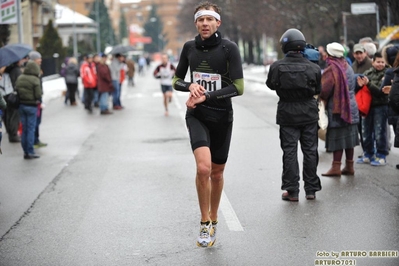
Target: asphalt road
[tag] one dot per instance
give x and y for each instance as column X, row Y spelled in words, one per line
column 119, row 190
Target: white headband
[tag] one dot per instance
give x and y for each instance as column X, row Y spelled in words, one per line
column 206, row 13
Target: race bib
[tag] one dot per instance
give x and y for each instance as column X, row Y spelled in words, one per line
column 211, row 82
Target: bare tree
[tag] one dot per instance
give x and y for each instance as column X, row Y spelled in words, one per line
column 321, row 21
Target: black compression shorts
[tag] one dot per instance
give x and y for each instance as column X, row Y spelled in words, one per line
column 211, row 129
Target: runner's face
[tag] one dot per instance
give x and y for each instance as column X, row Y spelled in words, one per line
column 164, row 59
column 207, row 25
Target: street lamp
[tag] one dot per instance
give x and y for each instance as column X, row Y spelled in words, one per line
column 75, row 42
column 344, row 14
column 98, row 26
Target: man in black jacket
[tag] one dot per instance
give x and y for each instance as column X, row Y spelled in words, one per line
column 296, row 80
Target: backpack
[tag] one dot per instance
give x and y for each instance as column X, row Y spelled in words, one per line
column 295, row 76
column 13, row 99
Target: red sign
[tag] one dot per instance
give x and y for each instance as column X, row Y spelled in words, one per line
column 139, row 39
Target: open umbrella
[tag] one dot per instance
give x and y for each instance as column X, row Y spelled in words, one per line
column 121, row 49
column 12, row 53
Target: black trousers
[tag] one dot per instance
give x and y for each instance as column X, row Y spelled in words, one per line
column 89, row 96
column 11, row 121
column 72, row 88
column 306, row 135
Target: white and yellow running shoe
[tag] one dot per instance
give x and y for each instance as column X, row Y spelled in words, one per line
column 204, row 239
column 213, row 232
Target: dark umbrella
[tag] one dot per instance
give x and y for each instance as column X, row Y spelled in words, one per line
column 12, row 53
column 121, row 49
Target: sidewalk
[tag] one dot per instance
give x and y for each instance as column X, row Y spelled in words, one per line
column 256, row 73
column 53, row 86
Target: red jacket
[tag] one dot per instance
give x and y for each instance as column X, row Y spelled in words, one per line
column 89, row 75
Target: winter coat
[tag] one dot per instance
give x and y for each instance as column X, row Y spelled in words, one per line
column 297, row 105
column 334, row 120
column 71, row 73
column 130, row 68
column 115, row 69
column 363, row 66
column 375, row 80
column 64, row 67
column 394, row 93
column 104, row 78
column 387, row 81
column 89, row 75
column 29, row 86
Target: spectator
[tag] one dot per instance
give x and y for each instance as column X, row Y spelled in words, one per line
column 62, row 74
column 37, row 58
column 338, row 92
column 391, row 57
column 130, row 72
column 370, row 48
column 71, row 78
column 89, row 79
column 3, row 106
column 142, row 63
column 105, row 86
column 30, row 94
column 374, row 125
column 96, row 95
column 11, row 113
column 115, row 68
column 394, row 99
column 362, row 61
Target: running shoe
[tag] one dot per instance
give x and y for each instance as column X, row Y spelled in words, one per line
column 204, row 239
column 213, row 232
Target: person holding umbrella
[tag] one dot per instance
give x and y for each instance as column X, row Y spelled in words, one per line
column 13, row 57
column 3, row 105
column 11, row 114
column 116, row 67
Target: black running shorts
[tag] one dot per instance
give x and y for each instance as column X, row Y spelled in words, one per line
column 210, row 128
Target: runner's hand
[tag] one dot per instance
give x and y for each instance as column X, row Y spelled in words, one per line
column 193, row 101
column 196, row 90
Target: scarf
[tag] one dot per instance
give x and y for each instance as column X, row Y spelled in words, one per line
column 212, row 41
column 341, row 99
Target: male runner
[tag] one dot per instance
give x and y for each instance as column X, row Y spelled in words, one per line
column 164, row 72
column 216, row 76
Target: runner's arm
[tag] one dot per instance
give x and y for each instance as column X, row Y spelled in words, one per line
column 236, row 88
column 178, row 82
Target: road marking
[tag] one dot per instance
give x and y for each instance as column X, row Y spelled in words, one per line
column 225, row 206
column 229, row 214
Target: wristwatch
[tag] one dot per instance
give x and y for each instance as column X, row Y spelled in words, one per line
column 207, row 96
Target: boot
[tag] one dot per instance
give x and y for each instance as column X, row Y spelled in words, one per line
column 348, row 169
column 335, row 169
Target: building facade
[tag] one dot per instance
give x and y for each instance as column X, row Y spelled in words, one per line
column 85, row 6
column 35, row 15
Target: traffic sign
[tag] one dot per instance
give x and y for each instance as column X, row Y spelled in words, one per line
column 364, row 8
